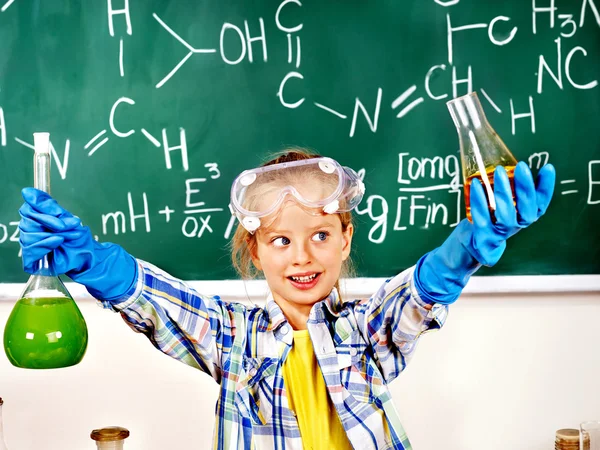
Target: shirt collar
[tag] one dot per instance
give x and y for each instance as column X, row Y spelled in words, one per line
column 332, row 302
column 276, row 317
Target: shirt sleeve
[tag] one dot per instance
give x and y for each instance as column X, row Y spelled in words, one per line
column 393, row 319
column 194, row 329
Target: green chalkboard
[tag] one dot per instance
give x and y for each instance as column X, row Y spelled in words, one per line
column 154, row 106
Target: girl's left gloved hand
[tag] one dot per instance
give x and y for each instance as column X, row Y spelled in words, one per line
column 441, row 274
column 105, row 269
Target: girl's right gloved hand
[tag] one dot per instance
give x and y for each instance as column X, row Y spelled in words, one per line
column 441, row 274
column 106, row 270
column 487, row 239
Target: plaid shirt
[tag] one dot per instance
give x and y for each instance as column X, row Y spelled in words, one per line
column 360, row 346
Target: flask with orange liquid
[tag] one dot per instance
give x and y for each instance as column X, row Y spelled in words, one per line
column 481, row 149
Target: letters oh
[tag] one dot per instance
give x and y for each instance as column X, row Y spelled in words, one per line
column 245, row 40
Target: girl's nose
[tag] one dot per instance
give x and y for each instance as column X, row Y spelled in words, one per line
column 301, row 253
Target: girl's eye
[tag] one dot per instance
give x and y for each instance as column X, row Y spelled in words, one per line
column 321, row 236
column 280, row 241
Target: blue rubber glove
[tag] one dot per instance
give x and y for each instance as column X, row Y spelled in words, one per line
column 106, row 270
column 441, row 274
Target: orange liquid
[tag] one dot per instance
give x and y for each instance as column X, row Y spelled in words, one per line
column 489, row 173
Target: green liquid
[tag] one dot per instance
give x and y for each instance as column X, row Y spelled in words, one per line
column 45, row 333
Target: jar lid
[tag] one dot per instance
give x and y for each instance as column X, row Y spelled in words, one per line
column 568, row 434
column 570, row 437
column 110, row 434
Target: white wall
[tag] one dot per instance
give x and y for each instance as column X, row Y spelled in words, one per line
column 506, row 371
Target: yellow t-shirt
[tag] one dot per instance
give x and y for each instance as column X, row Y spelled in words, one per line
column 319, row 424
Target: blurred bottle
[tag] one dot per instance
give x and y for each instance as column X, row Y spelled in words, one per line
column 2, row 442
column 568, row 439
column 110, row 438
column 481, row 149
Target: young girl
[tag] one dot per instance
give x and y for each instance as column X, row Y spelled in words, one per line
column 307, row 370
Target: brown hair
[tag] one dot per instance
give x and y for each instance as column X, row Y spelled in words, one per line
column 243, row 243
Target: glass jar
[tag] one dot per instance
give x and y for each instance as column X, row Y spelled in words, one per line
column 568, row 439
column 2, row 442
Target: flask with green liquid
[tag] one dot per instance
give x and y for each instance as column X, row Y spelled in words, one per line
column 45, row 329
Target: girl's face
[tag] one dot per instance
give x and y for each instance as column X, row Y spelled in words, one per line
column 301, row 255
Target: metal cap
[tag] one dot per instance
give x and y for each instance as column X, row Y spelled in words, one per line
column 568, row 434
column 110, row 434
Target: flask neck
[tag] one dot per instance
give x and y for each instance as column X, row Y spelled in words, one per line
column 480, row 146
column 42, row 160
column 45, row 267
column 468, row 115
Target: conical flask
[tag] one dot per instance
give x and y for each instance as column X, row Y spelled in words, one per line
column 481, row 149
column 45, row 329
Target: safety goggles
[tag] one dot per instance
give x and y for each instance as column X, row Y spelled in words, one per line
column 319, row 185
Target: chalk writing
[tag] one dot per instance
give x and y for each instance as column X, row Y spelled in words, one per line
column 425, row 190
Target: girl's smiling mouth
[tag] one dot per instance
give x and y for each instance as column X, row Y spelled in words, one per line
column 305, row 281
